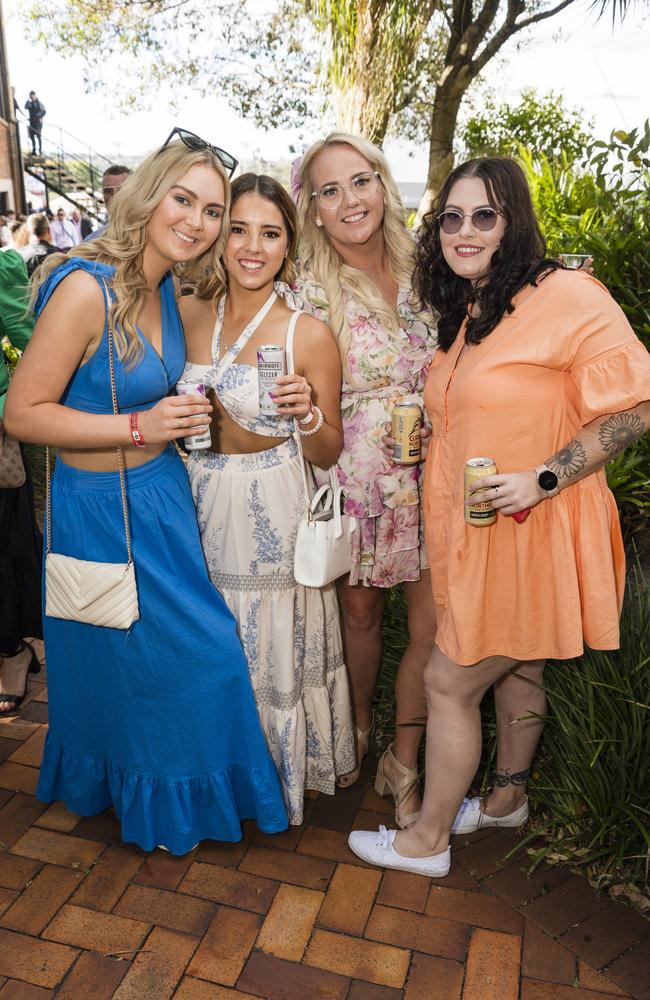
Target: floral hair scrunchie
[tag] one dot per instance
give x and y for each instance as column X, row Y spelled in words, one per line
column 295, row 180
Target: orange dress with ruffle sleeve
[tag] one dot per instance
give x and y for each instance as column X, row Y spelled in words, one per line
column 565, row 356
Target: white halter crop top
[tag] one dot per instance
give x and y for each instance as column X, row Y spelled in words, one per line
column 235, row 385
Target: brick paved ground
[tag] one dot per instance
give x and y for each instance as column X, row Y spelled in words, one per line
column 290, row 917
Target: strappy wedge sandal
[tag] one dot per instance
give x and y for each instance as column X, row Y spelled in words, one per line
column 400, row 781
column 362, row 739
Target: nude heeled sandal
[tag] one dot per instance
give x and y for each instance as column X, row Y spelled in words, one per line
column 400, row 784
column 362, row 739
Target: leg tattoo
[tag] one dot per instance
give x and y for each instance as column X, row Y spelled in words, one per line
column 505, row 777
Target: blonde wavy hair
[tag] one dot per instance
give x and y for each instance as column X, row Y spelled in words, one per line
column 322, row 263
column 123, row 243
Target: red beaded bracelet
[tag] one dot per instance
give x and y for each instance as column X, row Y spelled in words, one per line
column 134, row 428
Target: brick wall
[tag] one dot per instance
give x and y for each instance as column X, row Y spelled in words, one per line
column 6, row 168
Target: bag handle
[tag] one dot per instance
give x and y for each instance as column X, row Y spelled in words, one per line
column 120, row 451
column 334, row 482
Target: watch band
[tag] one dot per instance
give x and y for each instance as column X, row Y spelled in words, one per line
column 547, row 481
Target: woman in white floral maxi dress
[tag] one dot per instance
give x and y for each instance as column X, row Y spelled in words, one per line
column 249, row 493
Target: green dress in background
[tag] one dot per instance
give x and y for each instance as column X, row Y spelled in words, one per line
column 20, row 538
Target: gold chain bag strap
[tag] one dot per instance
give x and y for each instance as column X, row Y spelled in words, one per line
column 95, row 593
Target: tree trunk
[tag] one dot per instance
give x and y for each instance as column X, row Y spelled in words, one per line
column 444, row 116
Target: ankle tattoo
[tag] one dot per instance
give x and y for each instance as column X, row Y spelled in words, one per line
column 506, row 777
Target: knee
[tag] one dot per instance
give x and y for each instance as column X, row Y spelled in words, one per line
column 436, row 686
column 362, row 614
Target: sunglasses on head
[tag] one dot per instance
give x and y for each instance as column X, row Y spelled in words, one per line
column 483, row 219
column 195, row 142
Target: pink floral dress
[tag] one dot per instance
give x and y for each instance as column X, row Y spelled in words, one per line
column 383, row 496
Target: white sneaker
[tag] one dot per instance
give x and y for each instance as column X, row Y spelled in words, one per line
column 377, row 848
column 470, row 817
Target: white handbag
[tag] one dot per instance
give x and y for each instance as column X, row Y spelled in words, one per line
column 95, row 593
column 325, row 534
column 324, row 540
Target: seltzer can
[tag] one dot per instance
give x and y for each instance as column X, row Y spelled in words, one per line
column 482, row 513
column 406, row 421
column 190, row 387
column 270, row 365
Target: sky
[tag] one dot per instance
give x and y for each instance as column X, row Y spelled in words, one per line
column 597, row 67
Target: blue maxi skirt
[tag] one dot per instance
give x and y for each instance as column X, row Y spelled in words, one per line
column 159, row 720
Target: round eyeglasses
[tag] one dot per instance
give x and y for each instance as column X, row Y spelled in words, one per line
column 483, row 219
column 330, row 196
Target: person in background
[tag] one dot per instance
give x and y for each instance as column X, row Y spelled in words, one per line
column 356, row 264
column 64, row 234
column 120, row 700
column 5, row 232
column 34, row 253
column 539, row 370
column 19, row 236
column 36, row 113
column 75, row 219
column 20, row 538
column 249, row 490
column 112, row 180
column 85, row 225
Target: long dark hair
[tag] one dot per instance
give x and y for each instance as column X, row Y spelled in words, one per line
column 520, row 259
column 272, row 190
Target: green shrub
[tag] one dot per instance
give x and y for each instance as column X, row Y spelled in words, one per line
column 591, row 778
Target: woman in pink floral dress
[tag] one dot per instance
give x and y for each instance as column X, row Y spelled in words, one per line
column 356, row 266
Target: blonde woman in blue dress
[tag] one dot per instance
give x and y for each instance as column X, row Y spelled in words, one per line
column 249, row 493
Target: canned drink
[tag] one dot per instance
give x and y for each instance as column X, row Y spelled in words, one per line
column 189, row 387
column 406, row 421
column 482, row 513
column 270, row 365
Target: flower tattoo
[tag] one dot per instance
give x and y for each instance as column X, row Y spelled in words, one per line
column 619, row 431
column 569, row 461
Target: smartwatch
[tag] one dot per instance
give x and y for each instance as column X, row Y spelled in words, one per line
column 547, row 481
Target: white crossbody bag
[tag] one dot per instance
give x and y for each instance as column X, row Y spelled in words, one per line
column 324, row 539
column 95, row 593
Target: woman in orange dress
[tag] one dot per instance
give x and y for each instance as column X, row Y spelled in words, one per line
column 539, row 370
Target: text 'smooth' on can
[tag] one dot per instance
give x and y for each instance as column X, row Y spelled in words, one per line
column 270, row 365
column 406, row 422
column 482, row 513
column 189, row 387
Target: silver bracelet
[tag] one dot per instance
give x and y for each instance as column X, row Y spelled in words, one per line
column 317, row 426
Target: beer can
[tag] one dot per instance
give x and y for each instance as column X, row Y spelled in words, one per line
column 270, row 365
column 406, row 421
column 192, row 387
column 482, row 513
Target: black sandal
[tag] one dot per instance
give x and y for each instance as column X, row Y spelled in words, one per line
column 17, row 699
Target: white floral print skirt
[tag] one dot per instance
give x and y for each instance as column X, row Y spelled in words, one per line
column 248, row 508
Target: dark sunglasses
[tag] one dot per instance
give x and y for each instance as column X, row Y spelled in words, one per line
column 483, row 219
column 195, row 142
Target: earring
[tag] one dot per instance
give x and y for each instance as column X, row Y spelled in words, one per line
column 319, row 223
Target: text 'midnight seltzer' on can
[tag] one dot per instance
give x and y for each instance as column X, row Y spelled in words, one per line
column 482, row 513
column 270, row 365
column 406, row 421
column 189, row 387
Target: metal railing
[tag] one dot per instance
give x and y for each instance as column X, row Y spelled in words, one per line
column 65, row 165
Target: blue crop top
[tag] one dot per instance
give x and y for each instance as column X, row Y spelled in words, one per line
column 138, row 388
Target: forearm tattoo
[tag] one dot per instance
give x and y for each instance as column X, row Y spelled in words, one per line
column 503, row 778
column 619, row 431
column 569, row 461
